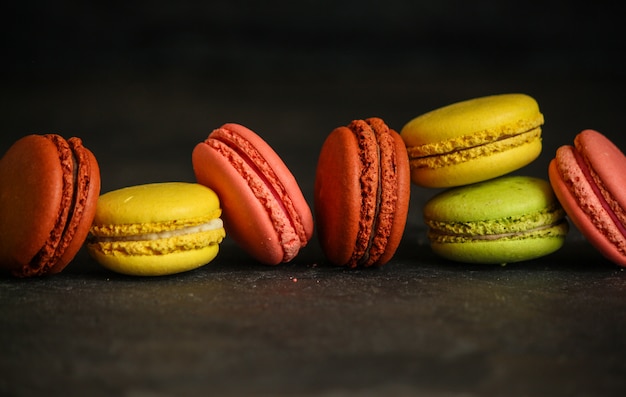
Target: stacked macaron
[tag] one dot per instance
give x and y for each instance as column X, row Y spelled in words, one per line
column 485, row 215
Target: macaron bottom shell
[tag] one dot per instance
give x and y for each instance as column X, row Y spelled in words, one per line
column 493, row 161
column 156, row 265
column 504, row 250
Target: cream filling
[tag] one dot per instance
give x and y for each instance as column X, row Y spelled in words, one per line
column 426, row 157
column 213, row 224
column 379, row 191
column 443, row 237
column 505, row 235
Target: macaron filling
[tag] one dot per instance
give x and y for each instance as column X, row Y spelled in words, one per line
column 365, row 254
column 376, row 148
column 213, row 224
column 266, row 186
column 469, row 147
column 63, row 230
column 549, row 221
column 162, row 242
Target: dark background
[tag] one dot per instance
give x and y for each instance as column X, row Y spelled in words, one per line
column 143, row 82
column 152, row 79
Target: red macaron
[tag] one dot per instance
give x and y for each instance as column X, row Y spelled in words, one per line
column 362, row 190
column 263, row 208
column 49, row 188
column 589, row 179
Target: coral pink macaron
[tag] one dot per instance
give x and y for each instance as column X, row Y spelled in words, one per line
column 49, row 188
column 362, row 189
column 264, row 210
column 589, row 181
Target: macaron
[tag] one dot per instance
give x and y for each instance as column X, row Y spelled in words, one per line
column 473, row 140
column 156, row 229
column 589, row 180
column 48, row 192
column 361, row 193
column 265, row 211
column 503, row 220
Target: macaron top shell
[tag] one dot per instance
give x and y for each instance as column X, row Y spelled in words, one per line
column 338, row 195
column 31, row 196
column 500, row 198
column 589, row 180
column 48, row 191
column 264, row 210
column 484, row 119
column 157, row 203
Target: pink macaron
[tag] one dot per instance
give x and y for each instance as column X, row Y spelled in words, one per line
column 589, row 180
column 264, row 210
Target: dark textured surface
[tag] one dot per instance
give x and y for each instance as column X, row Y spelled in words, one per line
column 143, row 83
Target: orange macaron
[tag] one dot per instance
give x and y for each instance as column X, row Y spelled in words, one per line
column 362, row 190
column 49, row 187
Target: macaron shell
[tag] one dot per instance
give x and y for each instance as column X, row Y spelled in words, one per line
column 488, row 166
column 338, row 195
column 503, row 114
column 254, row 211
column 31, row 193
column 155, row 203
column 505, row 250
column 157, row 265
column 495, row 199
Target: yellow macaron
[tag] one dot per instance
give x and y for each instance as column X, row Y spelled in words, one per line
column 156, row 229
column 473, row 140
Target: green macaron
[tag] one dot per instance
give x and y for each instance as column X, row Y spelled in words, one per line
column 503, row 220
